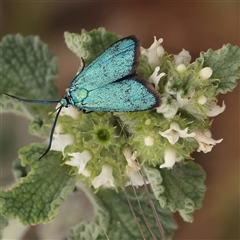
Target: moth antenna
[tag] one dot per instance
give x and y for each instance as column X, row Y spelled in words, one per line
column 53, row 112
column 55, row 120
column 52, row 131
column 31, row 101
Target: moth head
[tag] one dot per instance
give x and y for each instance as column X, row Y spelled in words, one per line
column 65, row 102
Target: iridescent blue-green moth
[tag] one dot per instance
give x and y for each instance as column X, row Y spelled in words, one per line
column 108, row 84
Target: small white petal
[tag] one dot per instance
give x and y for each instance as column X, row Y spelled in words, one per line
column 182, row 58
column 79, row 160
column 202, row 99
column 132, row 165
column 154, row 52
column 181, row 68
column 70, row 111
column 215, row 109
column 172, row 136
column 169, row 157
column 205, row 73
column 135, row 180
column 160, row 49
column 205, row 141
column 104, row 178
column 155, row 78
column 149, row 141
column 174, row 133
column 60, row 141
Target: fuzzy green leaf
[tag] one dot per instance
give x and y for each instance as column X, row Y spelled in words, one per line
column 121, row 221
column 38, row 197
column 89, row 45
column 225, row 64
column 28, row 70
column 179, row 189
column 91, row 230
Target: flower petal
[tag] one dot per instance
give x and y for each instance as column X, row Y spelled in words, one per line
column 60, row 141
column 136, row 180
column 132, row 165
column 104, row 178
column 79, row 160
column 154, row 52
column 174, row 133
column 183, row 57
column 155, row 78
column 205, row 141
column 205, row 73
column 181, row 68
column 169, row 157
column 215, row 109
column 149, row 141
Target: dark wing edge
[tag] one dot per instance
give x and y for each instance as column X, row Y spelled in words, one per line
column 136, row 54
column 150, row 88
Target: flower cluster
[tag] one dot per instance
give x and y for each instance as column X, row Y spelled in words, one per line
column 182, row 122
column 108, row 149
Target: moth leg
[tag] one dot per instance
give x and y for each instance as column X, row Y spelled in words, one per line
column 86, row 112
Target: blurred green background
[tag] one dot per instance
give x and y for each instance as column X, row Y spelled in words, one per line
column 194, row 26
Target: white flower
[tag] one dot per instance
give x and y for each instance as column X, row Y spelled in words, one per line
column 79, row 160
column 174, row 133
column 170, row 158
column 205, row 141
column 149, row 141
column 182, row 58
column 132, row 168
column 60, row 141
column 181, row 68
column 132, row 165
column 155, row 78
column 136, row 179
column 104, row 178
column 154, row 52
column 202, row 100
column 215, row 109
column 205, row 73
